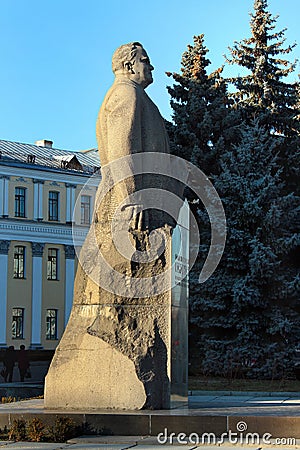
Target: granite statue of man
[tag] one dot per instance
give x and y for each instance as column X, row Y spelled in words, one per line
column 116, row 349
column 129, row 122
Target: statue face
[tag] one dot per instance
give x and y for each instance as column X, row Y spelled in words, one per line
column 141, row 68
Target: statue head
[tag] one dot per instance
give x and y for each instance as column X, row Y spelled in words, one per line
column 131, row 60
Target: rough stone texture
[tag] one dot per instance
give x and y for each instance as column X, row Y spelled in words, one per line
column 116, row 349
column 115, row 352
column 85, row 368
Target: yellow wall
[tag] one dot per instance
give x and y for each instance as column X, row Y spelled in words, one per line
column 58, row 187
column 83, row 190
column 76, row 216
column 19, row 294
column 28, row 185
column 19, row 291
column 53, row 295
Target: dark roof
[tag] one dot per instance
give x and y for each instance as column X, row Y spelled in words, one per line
column 16, row 153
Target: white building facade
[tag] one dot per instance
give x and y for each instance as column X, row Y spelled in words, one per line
column 39, row 186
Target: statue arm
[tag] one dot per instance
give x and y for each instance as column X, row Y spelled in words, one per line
column 124, row 131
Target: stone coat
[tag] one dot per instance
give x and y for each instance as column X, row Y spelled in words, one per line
column 129, row 122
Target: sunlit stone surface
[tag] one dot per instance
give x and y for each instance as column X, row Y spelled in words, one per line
column 125, row 346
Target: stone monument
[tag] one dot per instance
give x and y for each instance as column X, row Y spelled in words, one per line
column 117, row 350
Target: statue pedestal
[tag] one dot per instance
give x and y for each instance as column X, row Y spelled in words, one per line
column 180, row 306
column 123, row 352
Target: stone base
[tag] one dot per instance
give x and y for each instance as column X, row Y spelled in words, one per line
column 89, row 379
column 211, row 416
column 88, row 372
column 121, row 350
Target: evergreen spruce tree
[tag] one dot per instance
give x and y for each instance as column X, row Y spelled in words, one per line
column 203, row 126
column 203, row 123
column 246, row 316
column 265, row 91
column 248, row 311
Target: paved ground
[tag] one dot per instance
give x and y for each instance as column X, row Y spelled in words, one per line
column 267, row 406
column 273, row 404
column 135, row 443
column 283, row 404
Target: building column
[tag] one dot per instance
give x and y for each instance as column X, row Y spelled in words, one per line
column 69, row 279
column 70, row 201
column 38, row 199
column 36, row 304
column 4, row 246
column 4, row 195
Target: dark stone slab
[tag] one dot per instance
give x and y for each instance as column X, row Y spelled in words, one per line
column 275, row 421
column 278, row 427
column 21, row 392
column 118, row 424
column 188, row 424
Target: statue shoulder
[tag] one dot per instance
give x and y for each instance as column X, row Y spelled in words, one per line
column 126, row 88
column 122, row 92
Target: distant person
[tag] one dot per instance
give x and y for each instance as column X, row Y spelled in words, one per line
column 23, row 362
column 9, row 363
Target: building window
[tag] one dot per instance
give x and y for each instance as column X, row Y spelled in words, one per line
column 52, row 264
column 20, row 199
column 17, row 328
column 53, row 205
column 19, row 262
column 51, row 324
column 85, row 209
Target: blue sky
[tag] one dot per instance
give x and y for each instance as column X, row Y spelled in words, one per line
column 56, row 55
